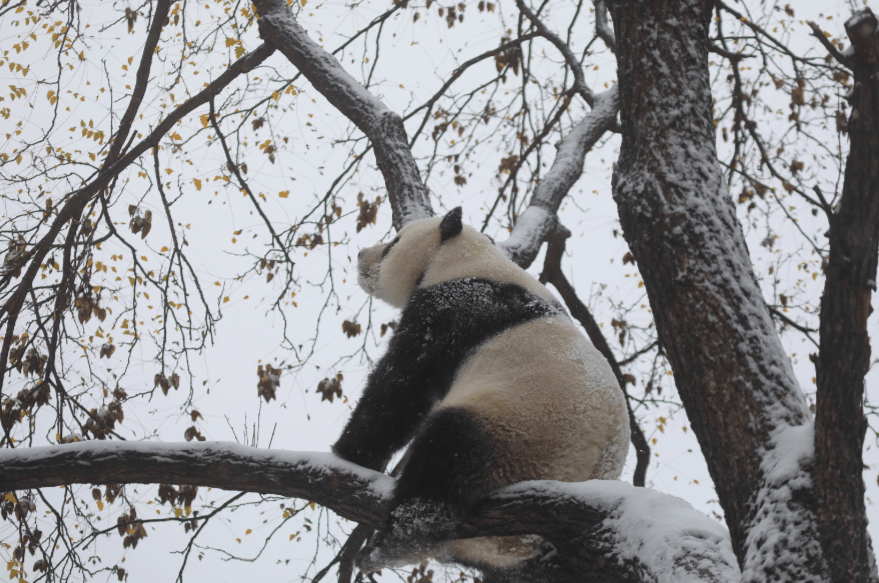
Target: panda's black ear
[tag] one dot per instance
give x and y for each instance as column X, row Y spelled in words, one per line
column 451, row 224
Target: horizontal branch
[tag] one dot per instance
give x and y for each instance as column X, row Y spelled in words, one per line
column 607, row 527
column 539, row 219
column 383, row 127
column 352, row 491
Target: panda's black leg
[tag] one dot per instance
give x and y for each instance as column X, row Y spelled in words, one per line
column 451, row 466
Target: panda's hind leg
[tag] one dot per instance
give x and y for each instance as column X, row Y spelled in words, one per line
column 450, row 466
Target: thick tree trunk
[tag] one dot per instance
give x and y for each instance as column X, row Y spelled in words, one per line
column 844, row 357
column 735, row 381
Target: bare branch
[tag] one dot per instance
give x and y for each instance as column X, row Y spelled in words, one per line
column 143, row 79
column 834, row 52
column 552, row 273
column 577, row 70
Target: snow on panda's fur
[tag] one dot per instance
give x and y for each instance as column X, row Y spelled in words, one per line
column 489, row 380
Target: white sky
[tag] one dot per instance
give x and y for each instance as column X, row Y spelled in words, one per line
column 249, row 333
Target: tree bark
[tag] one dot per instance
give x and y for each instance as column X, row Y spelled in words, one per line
column 844, row 355
column 601, row 530
column 383, row 127
column 736, row 383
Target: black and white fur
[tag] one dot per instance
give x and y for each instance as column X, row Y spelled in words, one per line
column 491, row 383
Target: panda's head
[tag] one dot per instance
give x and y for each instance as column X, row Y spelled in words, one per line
column 424, row 252
column 430, row 251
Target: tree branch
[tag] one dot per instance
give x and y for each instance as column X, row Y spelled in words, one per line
column 552, row 273
column 575, row 66
column 539, row 219
column 602, row 27
column 383, row 127
column 834, row 52
column 606, row 528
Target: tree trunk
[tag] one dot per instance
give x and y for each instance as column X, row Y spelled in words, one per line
column 844, row 356
column 736, row 383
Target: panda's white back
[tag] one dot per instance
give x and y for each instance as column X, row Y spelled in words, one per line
column 545, row 391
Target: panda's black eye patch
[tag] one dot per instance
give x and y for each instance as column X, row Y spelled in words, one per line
column 388, row 248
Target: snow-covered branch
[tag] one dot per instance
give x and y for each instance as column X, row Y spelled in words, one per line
column 602, row 27
column 539, row 219
column 351, row 491
column 626, row 533
column 383, row 127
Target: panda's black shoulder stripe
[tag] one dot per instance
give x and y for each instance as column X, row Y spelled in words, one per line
column 442, row 324
column 439, row 328
column 474, row 299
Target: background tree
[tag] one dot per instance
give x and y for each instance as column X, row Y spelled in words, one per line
column 97, row 224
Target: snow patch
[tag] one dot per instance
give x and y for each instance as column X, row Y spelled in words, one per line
column 665, row 536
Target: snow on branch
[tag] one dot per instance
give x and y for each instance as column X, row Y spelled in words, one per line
column 539, row 219
column 602, row 28
column 352, row 491
column 600, row 527
column 383, row 127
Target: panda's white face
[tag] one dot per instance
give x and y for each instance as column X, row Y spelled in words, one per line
column 418, row 257
column 391, row 271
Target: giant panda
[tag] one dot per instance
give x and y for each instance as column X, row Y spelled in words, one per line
column 488, row 380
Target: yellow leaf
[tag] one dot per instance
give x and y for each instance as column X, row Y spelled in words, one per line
column 275, row 95
column 284, row 193
column 303, row 2
column 239, row 51
column 164, row 250
column 178, row 512
column 11, row 497
column 230, row 42
column 131, row 280
column 92, row 156
column 100, row 505
column 287, row 514
column 204, row 119
column 226, row 299
column 18, row 159
column 312, row 504
column 248, row 531
column 197, row 183
column 188, row 510
column 175, row 136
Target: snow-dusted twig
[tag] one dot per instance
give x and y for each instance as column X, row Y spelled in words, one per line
column 602, row 27
column 539, row 219
column 383, row 127
column 626, row 533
